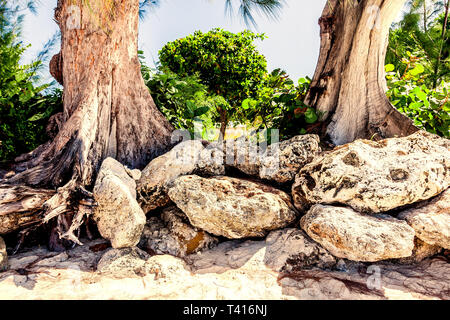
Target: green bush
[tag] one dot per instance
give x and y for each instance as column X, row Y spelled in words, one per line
column 227, row 63
column 428, row 108
column 279, row 105
column 183, row 100
column 24, row 108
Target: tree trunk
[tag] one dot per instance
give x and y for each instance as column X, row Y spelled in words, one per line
column 108, row 110
column 349, row 84
column 223, row 124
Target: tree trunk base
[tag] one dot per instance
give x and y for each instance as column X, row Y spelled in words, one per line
column 349, row 85
column 108, row 112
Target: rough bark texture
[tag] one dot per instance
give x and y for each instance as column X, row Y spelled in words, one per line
column 108, row 110
column 21, row 206
column 349, row 83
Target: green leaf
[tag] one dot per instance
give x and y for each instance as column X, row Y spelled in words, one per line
column 201, row 111
column 246, row 104
column 418, row 69
column 311, row 116
column 389, row 67
column 37, row 116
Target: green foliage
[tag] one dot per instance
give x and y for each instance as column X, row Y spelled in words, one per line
column 279, row 105
column 418, row 65
column 429, row 108
column 24, row 110
column 424, row 33
column 184, row 100
column 227, row 63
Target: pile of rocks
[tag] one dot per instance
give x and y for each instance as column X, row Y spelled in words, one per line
column 365, row 201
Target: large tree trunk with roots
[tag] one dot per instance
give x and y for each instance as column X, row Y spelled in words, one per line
column 349, row 84
column 108, row 112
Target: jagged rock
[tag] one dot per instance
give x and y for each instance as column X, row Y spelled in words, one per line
column 118, row 215
column 167, row 267
column 431, row 220
column 123, row 262
column 134, row 173
column 160, row 172
column 172, row 234
column 243, row 154
column 231, row 207
column 378, row 176
column 421, row 252
column 348, row 234
column 211, row 161
column 3, row 256
column 282, row 161
column 291, row 249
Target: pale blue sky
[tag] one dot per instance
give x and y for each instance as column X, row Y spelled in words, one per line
column 292, row 44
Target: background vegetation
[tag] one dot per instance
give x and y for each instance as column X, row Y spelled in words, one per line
column 24, row 107
column 219, row 78
column 418, row 65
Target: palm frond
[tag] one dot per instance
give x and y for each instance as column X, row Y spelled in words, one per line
column 147, row 5
column 248, row 8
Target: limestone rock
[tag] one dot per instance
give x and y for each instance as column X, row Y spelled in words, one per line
column 231, row 207
column 172, row 234
column 167, row 267
column 285, row 250
column 211, row 161
column 134, row 173
column 243, row 154
column 378, row 176
column 123, row 262
column 358, row 237
column 160, row 172
column 118, row 215
column 291, row 249
column 431, row 220
column 3, row 256
column 421, row 252
column 282, row 161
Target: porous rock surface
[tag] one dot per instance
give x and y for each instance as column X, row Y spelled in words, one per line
column 160, row 172
column 230, row 207
column 119, row 217
column 348, row 234
column 171, row 233
column 431, row 220
column 3, row 256
column 282, row 161
column 376, row 176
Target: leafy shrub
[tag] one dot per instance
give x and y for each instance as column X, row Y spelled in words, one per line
column 429, row 108
column 425, row 34
column 279, row 104
column 227, row 63
column 184, row 100
column 24, row 109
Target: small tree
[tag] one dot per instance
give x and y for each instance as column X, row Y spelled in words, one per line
column 228, row 63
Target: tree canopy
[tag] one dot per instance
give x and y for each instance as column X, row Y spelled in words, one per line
column 228, row 63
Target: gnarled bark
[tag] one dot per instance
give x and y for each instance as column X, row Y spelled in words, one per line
column 108, row 110
column 349, row 84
